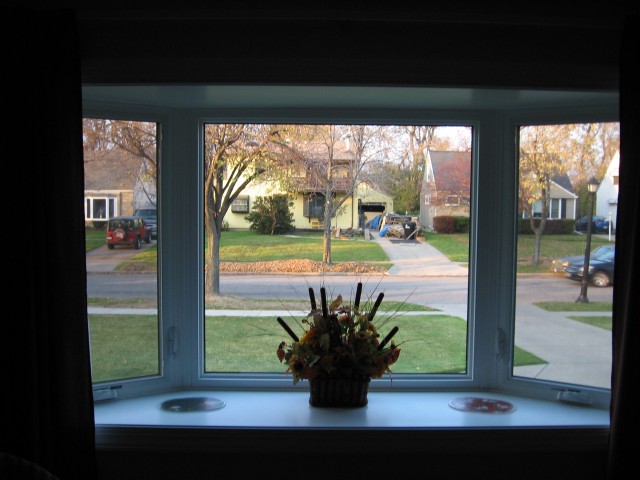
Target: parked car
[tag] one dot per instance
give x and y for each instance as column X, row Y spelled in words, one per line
column 127, row 231
column 150, row 216
column 601, row 269
column 598, row 225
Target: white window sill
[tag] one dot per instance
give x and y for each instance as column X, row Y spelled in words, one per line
column 278, row 420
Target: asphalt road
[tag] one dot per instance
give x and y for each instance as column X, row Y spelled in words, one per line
column 530, row 287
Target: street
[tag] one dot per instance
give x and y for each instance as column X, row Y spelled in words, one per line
column 425, row 291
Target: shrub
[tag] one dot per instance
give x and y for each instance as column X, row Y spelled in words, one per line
column 271, row 215
column 451, row 224
column 563, row 226
column 444, row 224
column 462, row 224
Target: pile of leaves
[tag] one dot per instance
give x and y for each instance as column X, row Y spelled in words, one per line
column 299, row 266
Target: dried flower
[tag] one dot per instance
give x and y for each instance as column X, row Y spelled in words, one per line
column 338, row 341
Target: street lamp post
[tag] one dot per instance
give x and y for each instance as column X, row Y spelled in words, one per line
column 592, row 186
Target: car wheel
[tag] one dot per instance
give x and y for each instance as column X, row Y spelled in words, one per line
column 147, row 238
column 138, row 243
column 600, row 279
column 110, row 246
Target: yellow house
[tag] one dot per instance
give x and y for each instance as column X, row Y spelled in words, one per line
column 308, row 205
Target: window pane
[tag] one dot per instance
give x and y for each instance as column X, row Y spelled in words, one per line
column 121, row 176
column 563, row 324
column 310, row 182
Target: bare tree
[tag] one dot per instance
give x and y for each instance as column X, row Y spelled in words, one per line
column 104, row 136
column 331, row 161
column 235, row 155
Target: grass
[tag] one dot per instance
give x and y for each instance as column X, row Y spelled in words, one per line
column 94, row 238
column 125, row 346
column 245, row 246
column 434, row 343
column 231, row 302
column 575, row 307
column 456, row 248
column 596, row 321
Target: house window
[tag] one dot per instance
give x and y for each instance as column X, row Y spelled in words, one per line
column 314, row 205
column 502, row 347
column 240, row 204
column 452, row 200
column 555, row 208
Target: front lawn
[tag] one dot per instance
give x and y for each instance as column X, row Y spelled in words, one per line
column 94, row 238
column 246, row 246
column 126, row 345
column 456, row 248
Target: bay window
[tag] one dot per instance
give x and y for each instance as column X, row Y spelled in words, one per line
column 491, row 325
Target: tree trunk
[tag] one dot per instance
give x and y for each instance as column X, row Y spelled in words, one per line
column 328, row 207
column 535, row 260
column 212, row 276
column 326, row 242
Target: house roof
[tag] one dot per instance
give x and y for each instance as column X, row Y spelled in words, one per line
column 447, row 178
column 114, row 170
column 563, row 181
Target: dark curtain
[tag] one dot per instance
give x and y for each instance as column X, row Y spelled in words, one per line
column 626, row 308
column 47, row 414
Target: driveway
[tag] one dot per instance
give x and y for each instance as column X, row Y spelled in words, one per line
column 103, row 260
column 417, row 258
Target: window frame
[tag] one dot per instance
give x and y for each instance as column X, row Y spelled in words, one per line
column 492, row 278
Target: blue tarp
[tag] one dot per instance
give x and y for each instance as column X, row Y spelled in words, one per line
column 374, row 222
column 383, row 232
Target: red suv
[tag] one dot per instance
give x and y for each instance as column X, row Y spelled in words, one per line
column 129, row 231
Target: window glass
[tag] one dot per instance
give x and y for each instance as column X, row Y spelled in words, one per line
column 378, row 179
column 562, row 318
column 120, row 171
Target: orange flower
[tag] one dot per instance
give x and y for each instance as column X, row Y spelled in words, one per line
column 280, row 351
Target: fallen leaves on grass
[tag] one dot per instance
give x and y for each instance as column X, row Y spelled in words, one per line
column 299, row 266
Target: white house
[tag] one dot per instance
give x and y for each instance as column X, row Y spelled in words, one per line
column 607, row 196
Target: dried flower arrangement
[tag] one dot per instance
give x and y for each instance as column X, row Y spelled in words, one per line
column 339, row 345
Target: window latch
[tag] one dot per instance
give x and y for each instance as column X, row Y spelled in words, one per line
column 106, row 393
column 573, row 395
column 173, row 341
column 501, row 344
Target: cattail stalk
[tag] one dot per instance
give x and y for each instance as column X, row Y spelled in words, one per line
column 393, row 331
column 288, row 330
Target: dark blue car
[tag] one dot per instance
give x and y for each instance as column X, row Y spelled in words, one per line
column 601, row 262
column 599, row 225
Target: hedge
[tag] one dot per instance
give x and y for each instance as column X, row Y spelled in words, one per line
column 451, row 224
column 563, row 226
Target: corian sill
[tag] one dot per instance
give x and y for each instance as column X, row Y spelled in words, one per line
column 245, row 409
column 405, row 422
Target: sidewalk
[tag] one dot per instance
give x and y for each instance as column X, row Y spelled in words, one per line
column 417, row 258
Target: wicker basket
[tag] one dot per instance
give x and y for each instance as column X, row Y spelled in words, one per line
column 338, row 392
